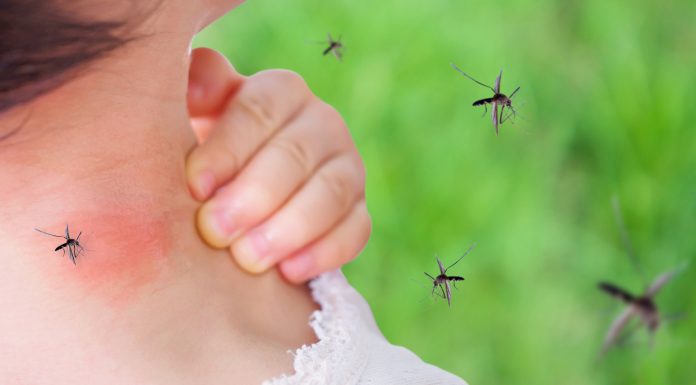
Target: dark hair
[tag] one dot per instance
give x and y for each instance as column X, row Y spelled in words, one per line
column 42, row 46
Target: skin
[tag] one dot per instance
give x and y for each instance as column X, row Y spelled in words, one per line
column 112, row 154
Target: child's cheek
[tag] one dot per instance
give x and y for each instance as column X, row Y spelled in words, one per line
column 123, row 251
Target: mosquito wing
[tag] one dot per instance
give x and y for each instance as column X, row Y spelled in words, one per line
column 67, row 232
column 616, row 327
column 496, row 89
column 442, row 268
column 662, row 280
column 448, row 293
column 494, row 115
column 72, row 253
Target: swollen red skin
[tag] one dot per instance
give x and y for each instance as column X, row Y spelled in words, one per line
column 125, row 251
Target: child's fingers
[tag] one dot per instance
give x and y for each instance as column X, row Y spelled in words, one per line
column 261, row 106
column 285, row 163
column 314, row 210
column 341, row 245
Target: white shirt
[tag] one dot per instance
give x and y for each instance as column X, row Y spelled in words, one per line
column 351, row 349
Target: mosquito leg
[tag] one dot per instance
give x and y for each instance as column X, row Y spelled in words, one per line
column 511, row 114
column 437, row 292
column 53, row 235
column 73, row 253
column 76, row 252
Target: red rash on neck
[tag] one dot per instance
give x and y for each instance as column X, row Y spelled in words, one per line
column 124, row 251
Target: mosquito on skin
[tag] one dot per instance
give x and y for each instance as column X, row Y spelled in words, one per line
column 643, row 306
column 496, row 100
column 72, row 245
column 442, row 281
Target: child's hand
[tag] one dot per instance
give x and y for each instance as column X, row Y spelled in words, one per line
column 287, row 183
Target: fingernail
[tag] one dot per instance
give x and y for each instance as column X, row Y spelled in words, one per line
column 205, row 184
column 252, row 252
column 224, row 222
column 298, row 268
column 216, row 225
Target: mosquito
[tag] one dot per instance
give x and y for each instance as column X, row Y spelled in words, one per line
column 496, row 100
column 72, row 245
column 643, row 306
column 335, row 47
column 442, row 281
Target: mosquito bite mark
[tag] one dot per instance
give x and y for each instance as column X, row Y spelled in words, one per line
column 122, row 255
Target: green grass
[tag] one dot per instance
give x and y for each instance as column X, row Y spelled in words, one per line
column 608, row 105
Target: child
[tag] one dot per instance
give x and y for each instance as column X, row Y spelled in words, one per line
column 96, row 135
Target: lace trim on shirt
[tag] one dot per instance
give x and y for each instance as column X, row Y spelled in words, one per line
column 341, row 354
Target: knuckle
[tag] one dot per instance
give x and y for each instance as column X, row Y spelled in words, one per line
column 220, row 154
column 340, row 186
column 330, row 113
column 292, row 78
column 334, row 121
column 358, row 167
column 258, row 106
column 296, row 151
column 289, row 79
column 362, row 175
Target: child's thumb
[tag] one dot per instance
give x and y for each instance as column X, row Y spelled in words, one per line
column 212, row 81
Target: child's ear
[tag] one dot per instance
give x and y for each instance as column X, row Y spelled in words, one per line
column 212, row 82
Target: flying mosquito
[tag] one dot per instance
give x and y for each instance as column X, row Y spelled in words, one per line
column 335, row 47
column 443, row 280
column 496, row 100
column 643, row 306
column 72, row 245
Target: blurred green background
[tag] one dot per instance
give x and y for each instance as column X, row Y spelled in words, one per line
column 607, row 106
